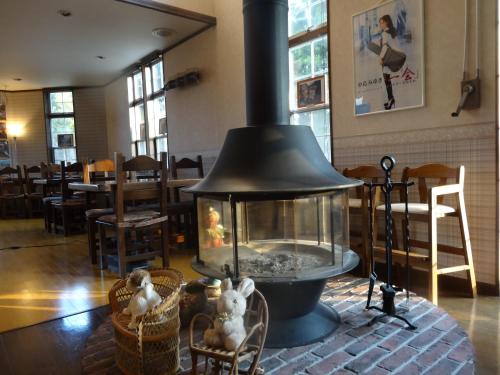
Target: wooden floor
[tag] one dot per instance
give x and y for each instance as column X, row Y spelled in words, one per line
column 48, row 276
column 480, row 318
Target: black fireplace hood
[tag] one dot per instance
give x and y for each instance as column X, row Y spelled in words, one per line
column 271, row 159
column 268, row 156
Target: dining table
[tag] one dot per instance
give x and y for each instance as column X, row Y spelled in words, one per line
column 139, row 184
column 54, row 181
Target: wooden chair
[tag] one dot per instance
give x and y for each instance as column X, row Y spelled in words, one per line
column 11, row 191
column 359, row 205
column 34, row 197
column 256, row 322
column 68, row 212
column 130, row 228
column 98, row 170
column 431, row 208
column 50, row 192
column 93, row 172
column 185, row 215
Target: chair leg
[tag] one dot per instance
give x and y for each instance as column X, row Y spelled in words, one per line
column 91, row 232
column 165, row 244
column 122, row 252
column 66, row 220
column 433, row 276
column 48, row 213
column 29, row 207
column 194, row 363
column 365, row 251
column 46, row 216
column 464, row 231
column 102, row 247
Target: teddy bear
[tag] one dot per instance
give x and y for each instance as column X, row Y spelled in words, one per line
column 214, row 230
column 145, row 298
column 229, row 330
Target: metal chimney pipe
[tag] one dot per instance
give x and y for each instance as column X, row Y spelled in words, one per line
column 266, row 62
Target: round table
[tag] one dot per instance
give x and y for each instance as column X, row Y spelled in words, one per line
column 439, row 344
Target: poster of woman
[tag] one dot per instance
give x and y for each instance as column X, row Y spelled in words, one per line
column 388, row 57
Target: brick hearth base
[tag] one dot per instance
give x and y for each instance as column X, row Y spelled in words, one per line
column 438, row 346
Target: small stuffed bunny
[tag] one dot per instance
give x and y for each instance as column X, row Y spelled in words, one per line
column 144, row 298
column 229, row 330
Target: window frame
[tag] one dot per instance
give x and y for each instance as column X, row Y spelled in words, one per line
column 310, row 35
column 151, row 144
column 49, row 116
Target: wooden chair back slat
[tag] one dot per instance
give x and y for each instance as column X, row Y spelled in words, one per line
column 138, row 164
column 432, row 171
column 91, row 171
column 28, row 177
column 49, row 170
column 424, row 173
column 186, row 163
column 141, row 163
column 367, row 173
column 17, row 184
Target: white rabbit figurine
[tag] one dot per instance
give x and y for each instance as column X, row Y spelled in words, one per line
column 144, row 298
column 229, row 330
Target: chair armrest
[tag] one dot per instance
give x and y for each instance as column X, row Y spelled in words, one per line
column 198, row 316
column 250, row 334
column 445, row 189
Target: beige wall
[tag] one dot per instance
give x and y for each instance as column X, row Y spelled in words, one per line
column 27, row 108
column 117, row 120
column 428, row 134
column 199, row 116
column 90, row 120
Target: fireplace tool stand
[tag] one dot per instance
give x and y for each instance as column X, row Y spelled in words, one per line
column 388, row 289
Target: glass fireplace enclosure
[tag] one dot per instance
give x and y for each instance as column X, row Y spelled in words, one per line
column 279, row 239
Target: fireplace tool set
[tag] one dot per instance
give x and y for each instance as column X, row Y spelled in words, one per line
column 389, row 289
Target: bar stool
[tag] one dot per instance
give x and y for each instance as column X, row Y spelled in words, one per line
column 429, row 210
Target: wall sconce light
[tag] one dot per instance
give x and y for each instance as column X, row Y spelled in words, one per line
column 14, row 130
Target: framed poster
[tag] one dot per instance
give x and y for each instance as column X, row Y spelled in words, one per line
column 388, row 56
column 65, row 141
column 4, row 150
column 3, row 112
column 311, row 92
column 3, row 130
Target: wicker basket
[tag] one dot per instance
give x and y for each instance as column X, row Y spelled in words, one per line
column 154, row 347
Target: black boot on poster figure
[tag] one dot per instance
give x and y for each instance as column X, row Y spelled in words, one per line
column 388, row 290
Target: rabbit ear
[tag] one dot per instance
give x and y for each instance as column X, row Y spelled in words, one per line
column 226, row 285
column 246, row 287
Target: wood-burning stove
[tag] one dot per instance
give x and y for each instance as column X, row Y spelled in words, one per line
column 272, row 207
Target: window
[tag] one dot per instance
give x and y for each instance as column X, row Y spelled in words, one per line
column 61, row 126
column 147, row 112
column 308, row 58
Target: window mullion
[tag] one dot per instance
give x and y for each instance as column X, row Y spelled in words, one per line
column 145, row 107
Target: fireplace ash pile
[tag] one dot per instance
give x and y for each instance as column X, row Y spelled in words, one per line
column 279, row 263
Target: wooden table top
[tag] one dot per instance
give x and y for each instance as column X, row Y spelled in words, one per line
column 107, row 186
column 55, row 180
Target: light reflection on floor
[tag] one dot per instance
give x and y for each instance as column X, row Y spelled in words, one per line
column 47, row 282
